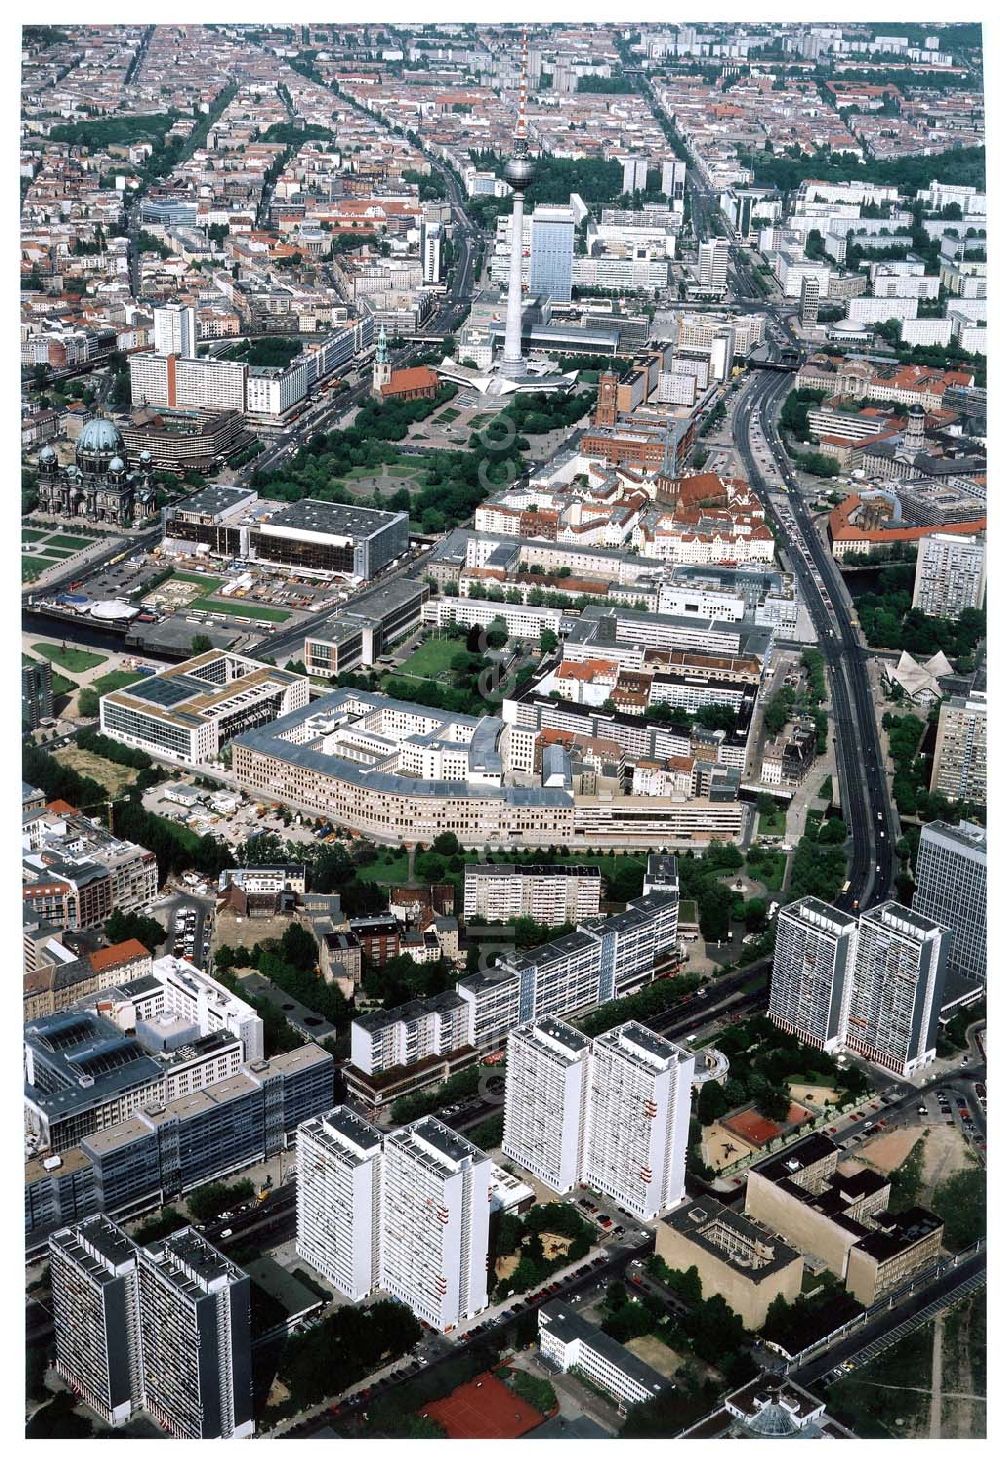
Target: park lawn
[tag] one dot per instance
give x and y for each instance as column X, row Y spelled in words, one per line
column 62, row 541
column 391, row 869
column 241, row 610
column 772, row 824
column 33, row 567
column 117, row 679
column 770, row 872
column 826, row 789
column 431, row 658
column 478, row 421
column 210, row 584
column 447, row 416
column 59, row 553
column 32, row 534
column 687, row 911
column 402, row 469
column 77, row 660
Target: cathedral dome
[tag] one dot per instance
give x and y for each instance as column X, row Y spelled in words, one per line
column 100, row 441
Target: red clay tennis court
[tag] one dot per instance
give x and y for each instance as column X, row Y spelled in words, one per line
column 756, row 1130
column 484, row 1408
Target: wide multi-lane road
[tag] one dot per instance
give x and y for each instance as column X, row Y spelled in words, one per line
column 859, row 762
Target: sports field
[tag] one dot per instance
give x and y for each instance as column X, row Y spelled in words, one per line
column 236, row 609
column 484, row 1408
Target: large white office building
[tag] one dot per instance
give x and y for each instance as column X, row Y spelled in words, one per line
column 951, row 890
column 551, row 894
column 338, row 1179
column 545, row 1100
column 811, row 978
column 899, row 971
column 94, row 1269
column 638, row 1110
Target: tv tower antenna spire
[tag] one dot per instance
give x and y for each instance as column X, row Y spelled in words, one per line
column 519, row 172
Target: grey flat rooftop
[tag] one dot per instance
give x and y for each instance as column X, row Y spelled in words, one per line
column 211, row 500
column 310, row 515
column 696, row 1221
column 567, row 1325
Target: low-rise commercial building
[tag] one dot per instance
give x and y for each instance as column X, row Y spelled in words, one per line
column 735, row 1257
column 552, row 895
column 569, row 1344
column 190, row 710
column 842, row 1218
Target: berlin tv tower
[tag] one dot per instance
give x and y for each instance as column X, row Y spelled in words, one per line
column 519, row 172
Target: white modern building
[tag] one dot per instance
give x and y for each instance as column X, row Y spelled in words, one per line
column 550, row 894
column 638, row 1110
column 713, row 265
column 190, row 710
column 569, row 1344
column 338, row 1181
column 899, row 971
column 811, row 979
column 186, row 993
column 951, row 890
column 94, row 1270
column 545, row 1101
column 175, row 330
column 959, row 767
column 951, row 574
column 435, row 1212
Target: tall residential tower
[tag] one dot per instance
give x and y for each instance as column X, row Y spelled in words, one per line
column 811, row 979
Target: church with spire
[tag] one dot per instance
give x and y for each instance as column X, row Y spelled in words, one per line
column 418, row 382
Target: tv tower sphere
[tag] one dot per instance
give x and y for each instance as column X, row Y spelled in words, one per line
column 520, row 171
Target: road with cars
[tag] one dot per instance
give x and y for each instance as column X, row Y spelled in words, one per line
column 861, row 772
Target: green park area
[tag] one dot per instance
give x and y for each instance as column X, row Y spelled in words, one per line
column 117, row 679
column 206, row 583
column 386, row 869
column 771, row 817
column 32, row 567
column 446, row 417
column 32, row 534
column 61, row 540
column 76, row 660
column 432, row 658
column 238, row 609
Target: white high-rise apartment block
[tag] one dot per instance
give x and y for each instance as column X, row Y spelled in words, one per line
column 435, row 1222
column 809, row 301
column 951, row 574
column 636, row 171
column 545, row 1101
column 338, row 1170
column 811, row 980
column 713, row 265
column 899, row 971
column 638, row 1110
column 951, row 890
column 195, row 1315
column 175, row 330
column 430, row 252
column 959, row 768
column 550, row 895
column 94, row 1271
